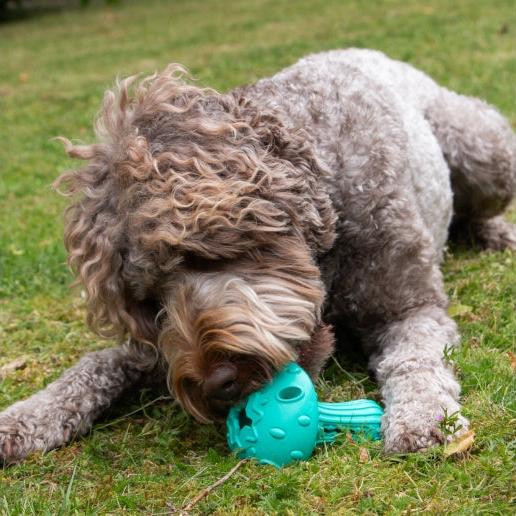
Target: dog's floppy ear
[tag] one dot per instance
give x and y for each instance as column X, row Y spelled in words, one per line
column 246, row 180
column 216, row 176
column 213, row 218
column 95, row 241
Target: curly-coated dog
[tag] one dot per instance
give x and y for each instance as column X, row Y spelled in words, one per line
column 223, row 232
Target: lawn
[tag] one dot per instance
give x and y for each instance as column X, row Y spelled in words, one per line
column 147, row 456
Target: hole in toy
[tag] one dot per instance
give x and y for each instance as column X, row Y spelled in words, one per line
column 243, row 419
column 291, row 393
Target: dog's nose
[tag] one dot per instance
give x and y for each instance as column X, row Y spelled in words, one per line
column 222, row 383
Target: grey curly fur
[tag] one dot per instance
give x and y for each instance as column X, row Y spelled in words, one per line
column 205, row 215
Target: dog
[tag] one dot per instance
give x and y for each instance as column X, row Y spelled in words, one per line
column 217, row 237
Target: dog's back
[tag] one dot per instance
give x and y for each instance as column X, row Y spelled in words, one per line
column 357, row 108
column 358, row 105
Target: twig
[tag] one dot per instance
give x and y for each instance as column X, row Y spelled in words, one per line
column 349, row 375
column 205, row 492
column 415, row 485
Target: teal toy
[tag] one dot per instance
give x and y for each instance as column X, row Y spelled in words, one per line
column 283, row 421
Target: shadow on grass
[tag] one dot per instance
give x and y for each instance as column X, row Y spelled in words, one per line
column 12, row 11
column 153, row 411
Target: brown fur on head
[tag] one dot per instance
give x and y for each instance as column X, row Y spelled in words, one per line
column 196, row 225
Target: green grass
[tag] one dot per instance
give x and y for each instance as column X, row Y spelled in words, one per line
column 54, row 68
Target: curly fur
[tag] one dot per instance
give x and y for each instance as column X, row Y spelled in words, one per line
column 182, row 171
column 186, row 181
column 221, row 229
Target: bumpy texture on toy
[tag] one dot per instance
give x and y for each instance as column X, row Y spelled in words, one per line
column 283, row 421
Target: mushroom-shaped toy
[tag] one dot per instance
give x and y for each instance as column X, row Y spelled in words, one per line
column 283, row 421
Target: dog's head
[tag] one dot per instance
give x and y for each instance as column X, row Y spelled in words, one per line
column 194, row 228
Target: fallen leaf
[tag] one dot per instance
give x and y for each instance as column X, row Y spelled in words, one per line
column 459, row 310
column 14, row 250
column 512, row 359
column 461, row 444
column 363, row 455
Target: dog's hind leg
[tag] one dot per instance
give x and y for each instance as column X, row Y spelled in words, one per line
column 480, row 148
column 67, row 407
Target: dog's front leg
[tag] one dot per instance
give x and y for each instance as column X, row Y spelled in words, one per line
column 417, row 381
column 67, row 407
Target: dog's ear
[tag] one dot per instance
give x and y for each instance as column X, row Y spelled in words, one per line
column 221, row 177
column 209, row 218
column 95, row 238
column 246, row 181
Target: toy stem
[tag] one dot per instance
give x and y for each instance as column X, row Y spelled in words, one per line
column 358, row 416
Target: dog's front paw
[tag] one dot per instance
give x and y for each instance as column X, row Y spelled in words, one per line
column 411, row 432
column 15, row 443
